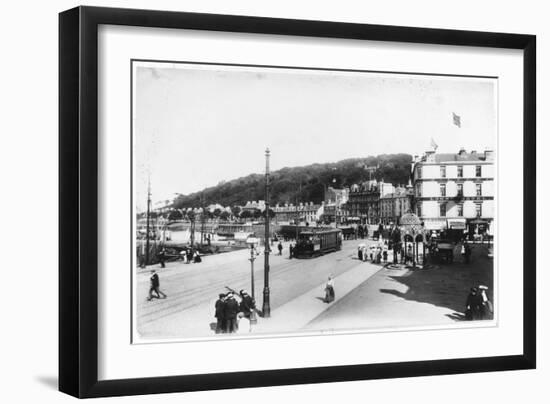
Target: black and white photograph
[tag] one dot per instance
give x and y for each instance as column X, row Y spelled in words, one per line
column 274, row 200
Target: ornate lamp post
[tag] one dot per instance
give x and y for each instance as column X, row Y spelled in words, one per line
column 253, row 242
column 266, row 308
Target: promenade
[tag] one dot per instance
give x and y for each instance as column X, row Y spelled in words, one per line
column 368, row 296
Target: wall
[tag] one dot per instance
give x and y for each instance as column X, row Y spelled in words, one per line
column 28, row 163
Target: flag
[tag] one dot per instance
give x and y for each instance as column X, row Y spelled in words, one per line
column 456, row 119
column 433, row 144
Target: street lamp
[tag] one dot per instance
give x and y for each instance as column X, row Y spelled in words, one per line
column 252, row 242
column 266, row 308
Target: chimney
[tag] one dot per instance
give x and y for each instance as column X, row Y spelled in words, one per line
column 489, row 155
column 462, row 151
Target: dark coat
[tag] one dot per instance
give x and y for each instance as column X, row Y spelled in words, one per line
column 247, row 304
column 155, row 281
column 231, row 308
column 220, row 309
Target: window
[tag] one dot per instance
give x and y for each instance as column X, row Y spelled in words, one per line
column 460, row 209
column 459, row 172
column 459, row 190
column 443, row 171
column 442, row 190
column 419, row 172
column 478, row 171
column 419, row 210
column 478, row 189
column 478, row 209
column 442, row 209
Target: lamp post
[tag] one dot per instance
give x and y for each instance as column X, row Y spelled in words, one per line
column 252, row 241
column 266, row 308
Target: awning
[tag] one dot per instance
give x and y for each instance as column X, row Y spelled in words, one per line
column 457, row 224
column 435, row 224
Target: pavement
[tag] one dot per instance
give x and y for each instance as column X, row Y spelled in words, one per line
column 368, row 295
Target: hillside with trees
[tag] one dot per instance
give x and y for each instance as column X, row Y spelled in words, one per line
column 302, row 184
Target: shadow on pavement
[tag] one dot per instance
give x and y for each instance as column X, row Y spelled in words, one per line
column 447, row 285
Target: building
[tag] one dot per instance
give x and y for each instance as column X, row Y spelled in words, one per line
column 304, row 213
column 334, row 206
column 455, row 191
column 395, row 204
column 253, row 205
column 364, row 200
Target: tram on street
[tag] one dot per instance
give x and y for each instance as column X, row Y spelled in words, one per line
column 318, row 242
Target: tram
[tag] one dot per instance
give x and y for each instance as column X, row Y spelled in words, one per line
column 318, row 242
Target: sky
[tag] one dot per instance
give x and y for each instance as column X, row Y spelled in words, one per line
column 197, row 125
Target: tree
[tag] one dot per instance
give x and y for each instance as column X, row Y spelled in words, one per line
column 236, row 211
column 175, row 215
column 246, row 214
column 224, row 215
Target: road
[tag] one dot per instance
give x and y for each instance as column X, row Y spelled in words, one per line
column 189, row 286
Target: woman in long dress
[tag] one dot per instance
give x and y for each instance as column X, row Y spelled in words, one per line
column 329, row 290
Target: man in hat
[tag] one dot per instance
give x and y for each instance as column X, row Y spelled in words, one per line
column 155, row 284
column 162, row 258
column 247, row 303
column 473, row 305
column 220, row 314
column 231, row 309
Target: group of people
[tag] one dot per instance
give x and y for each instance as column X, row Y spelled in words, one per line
column 233, row 312
column 478, row 305
column 377, row 254
column 188, row 255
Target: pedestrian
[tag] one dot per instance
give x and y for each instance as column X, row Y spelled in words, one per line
column 385, row 255
column 197, row 258
column 467, row 253
column 220, row 314
column 247, row 303
column 155, row 286
column 360, row 253
column 231, row 308
column 329, row 290
column 189, row 255
column 486, row 305
column 183, row 256
column 162, row 257
column 290, row 251
column 473, row 305
column 280, row 248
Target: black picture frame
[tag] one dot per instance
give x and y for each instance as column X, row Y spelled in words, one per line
column 78, row 200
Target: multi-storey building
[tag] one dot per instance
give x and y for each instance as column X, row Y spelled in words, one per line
column 254, row 205
column 364, row 200
column 304, row 212
column 455, row 191
column 334, row 206
column 395, row 205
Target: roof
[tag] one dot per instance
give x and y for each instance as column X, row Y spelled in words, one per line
column 447, row 157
